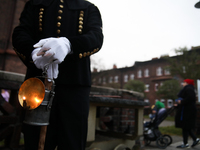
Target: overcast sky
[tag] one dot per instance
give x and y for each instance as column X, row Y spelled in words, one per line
column 139, row 30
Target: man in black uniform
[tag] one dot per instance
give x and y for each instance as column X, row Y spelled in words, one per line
column 65, row 33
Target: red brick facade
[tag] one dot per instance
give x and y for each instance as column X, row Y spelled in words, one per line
column 11, row 10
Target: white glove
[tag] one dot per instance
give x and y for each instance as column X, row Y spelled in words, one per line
column 52, row 71
column 54, row 49
column 39, row 61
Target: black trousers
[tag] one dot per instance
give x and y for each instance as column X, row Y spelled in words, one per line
column 68, row 121
column 186, row 133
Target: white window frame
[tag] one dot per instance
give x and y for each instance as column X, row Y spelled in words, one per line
column 147, row 87
column 132, row 76
column 126, row 78
column 111, row 79
column 146, row 73
column 168, row 103
column 163, row 101
column 104, row 80
column 99, row 80
column 139, row 74
column 116, row 79
column 167, row 72
column 146, row 100
column 159, row 71
column 156, row 86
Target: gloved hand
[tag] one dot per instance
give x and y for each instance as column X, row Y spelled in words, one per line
column 54, row 49
column 39, row 61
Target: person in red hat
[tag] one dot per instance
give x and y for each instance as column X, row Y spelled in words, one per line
column 186, row 113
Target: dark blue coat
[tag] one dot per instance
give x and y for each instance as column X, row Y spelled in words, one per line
column 186, row 111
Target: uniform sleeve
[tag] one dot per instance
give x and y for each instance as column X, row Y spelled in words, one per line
column 91, row 40
column 23, row 35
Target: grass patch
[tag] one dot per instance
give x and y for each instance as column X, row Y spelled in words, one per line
column 171, row 130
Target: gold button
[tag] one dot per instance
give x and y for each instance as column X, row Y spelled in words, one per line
column 40, row 20
column 41, row 13
column 97, row 49
column 40, row 24
column 81, row 12
column 41, row 9
column 60, row 11
column 62, row 1
column 58, row 24
column 91, row 53
column 94, row 50
column 40, row 17
column 59, row 17
column 80, row 27
column 84, row 54
column 80, row 31
column 80, row 55
column 58, row 31
column 81, row 15
column 81, row 18
column 81, row 22
column 40, row 29
column 88, row 53
column 61, row 6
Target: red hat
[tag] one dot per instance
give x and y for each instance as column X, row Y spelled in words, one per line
column 189, row 81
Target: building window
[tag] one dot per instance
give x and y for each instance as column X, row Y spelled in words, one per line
column 146, row 100
column 110, row 79
column 163, row 101
column 132, row 76
column 156, row 86
column 167, row 72
column 126, row 78
column 104, row 80
column 184, row 69
column 139, row 74
column 147, row 88
column 159, row 71
column 146, row 73
column 99, row 80
column 116, row 79
column 169, row 103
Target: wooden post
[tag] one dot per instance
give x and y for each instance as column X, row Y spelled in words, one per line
column 43, row 131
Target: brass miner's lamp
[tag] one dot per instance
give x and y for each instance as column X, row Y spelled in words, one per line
column 36, row 100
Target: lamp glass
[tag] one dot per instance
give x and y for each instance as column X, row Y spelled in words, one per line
column 31, row 93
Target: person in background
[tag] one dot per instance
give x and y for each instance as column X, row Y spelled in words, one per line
column 5, row 94
column 159, row 111
column 186, row 113
column 63, row 34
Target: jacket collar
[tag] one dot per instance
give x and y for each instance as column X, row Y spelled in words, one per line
column 72, row 4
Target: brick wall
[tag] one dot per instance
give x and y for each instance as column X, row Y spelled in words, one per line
column 117, row 119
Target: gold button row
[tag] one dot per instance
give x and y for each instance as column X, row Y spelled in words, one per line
column 88, row 53
column 60, row 11
column 40, row 18
column 80, row 27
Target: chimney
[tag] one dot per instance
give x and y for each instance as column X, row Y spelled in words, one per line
column 114, row 66
column 94, row 69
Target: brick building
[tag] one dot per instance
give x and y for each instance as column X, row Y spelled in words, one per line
column 10, row 12
column 152, row 73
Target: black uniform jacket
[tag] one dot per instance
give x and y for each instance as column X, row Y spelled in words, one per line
column 78, row 20
column 186, row 111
